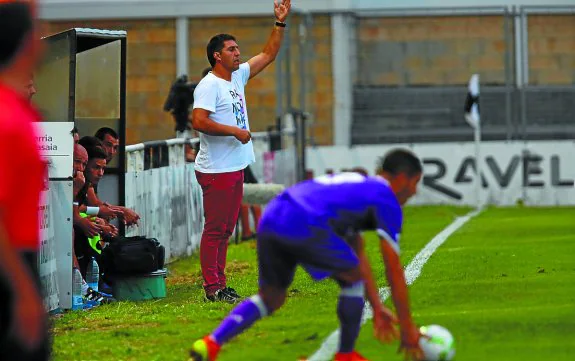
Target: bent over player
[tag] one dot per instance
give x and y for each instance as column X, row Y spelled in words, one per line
column 318, row 224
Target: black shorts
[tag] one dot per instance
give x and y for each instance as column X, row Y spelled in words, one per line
column 287, row 239
column 10, row 349
column 249, row 177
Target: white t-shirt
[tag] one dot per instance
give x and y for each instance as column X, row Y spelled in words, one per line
column 226, row 103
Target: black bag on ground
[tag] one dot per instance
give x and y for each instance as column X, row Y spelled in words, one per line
column 133, row 255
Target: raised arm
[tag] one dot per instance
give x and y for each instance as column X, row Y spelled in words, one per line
column 272, row 47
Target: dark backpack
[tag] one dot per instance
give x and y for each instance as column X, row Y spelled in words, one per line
column 133, row 255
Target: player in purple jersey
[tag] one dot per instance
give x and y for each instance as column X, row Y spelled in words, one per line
column 318, row 224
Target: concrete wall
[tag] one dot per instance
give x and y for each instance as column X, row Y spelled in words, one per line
column 406, row 51
column 551, row 49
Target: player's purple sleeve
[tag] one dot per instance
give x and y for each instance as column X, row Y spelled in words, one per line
column 389, row 221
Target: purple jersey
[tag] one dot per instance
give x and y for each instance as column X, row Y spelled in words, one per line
column 349, row 203
column 312, row 222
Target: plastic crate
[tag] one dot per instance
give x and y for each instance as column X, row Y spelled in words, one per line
column 140, row 287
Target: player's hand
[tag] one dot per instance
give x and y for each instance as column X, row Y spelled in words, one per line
column 410, row 344
column 243, row 135
column 99, row 221
column 109, row 213
column 29, row 314
column 78, row 182
column 130, row 217
column 109, row 230
column 89, row 228
column 281, row 11
column 106, row 229
column 384, row 325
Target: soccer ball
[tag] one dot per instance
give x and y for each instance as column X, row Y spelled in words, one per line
column 436, row 343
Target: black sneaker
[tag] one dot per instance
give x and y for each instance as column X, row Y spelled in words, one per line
column 223, row 296
column 248, row 237
column 94, row 296
column 232, row 292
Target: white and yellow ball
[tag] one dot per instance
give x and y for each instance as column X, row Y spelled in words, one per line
column 437, row 343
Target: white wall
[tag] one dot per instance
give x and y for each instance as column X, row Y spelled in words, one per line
column 544, row 176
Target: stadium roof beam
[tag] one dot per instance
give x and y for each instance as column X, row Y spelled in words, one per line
column 130, row 9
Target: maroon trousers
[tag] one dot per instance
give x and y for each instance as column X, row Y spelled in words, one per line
column 222, row 195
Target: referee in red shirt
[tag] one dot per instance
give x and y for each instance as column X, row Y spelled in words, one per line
column 23, row 321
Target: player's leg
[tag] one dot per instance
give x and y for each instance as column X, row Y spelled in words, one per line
column 257, row 213
column 242, row 317
column 349, row 311
column 328, row 255
column 211, row 235
column 217, row 193
column 268, row 300
column 277, row 269
column 245, row 219
column 234, row 182
column 10, row 347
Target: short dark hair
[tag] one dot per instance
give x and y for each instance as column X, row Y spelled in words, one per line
column 74, row 131
column 216, row 44
column 96, row 153
column 16, row 23
column 101, row 133
column 206, row 71
column 398, row 161
column 90, row 142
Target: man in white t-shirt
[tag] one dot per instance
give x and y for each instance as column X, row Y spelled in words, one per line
column 220, row 115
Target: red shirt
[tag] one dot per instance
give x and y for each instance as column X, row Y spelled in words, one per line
column 21, row 171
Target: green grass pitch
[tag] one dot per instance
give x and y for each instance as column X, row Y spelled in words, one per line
column 503, row 284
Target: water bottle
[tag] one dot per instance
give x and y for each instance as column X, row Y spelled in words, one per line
column 77, row 302
column 93, row 274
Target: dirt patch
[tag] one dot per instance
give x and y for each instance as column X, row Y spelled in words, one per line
column 235, row 267
column 184, row 279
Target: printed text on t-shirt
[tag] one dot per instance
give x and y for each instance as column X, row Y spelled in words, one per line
column 238, row 108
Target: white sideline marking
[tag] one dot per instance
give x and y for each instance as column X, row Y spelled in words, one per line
column 330, row 345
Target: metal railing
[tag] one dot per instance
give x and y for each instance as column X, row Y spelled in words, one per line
column 161, row 185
